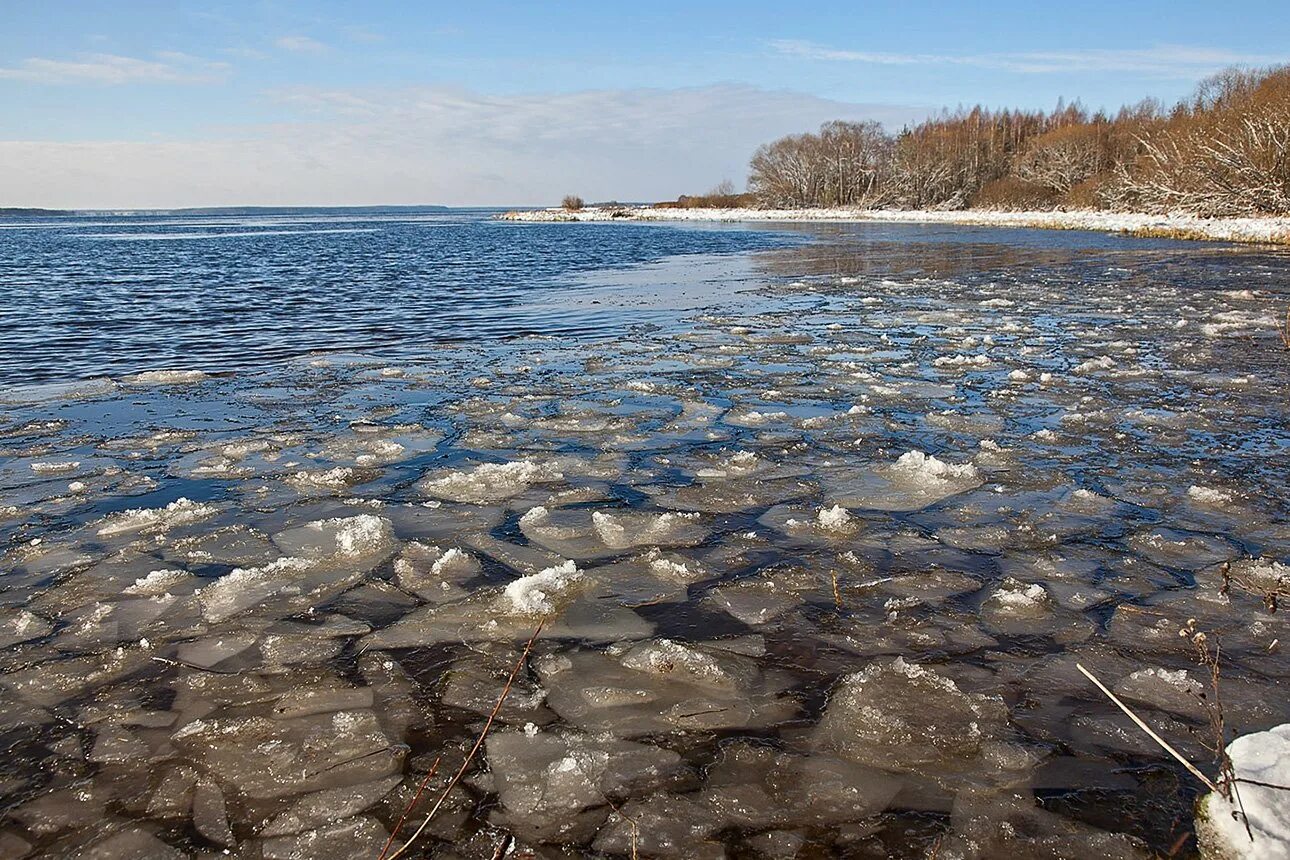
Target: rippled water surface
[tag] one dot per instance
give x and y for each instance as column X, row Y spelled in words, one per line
column 816, row 520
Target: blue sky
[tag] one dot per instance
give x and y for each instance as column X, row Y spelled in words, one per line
column 186, row 103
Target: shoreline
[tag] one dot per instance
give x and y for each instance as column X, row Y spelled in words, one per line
column 1262, row 230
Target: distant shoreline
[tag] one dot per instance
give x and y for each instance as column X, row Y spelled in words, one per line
column 1269, row 230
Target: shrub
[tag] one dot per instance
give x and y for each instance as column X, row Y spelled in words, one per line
column 572, row 202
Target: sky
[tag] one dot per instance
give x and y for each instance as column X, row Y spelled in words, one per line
column 172, row 103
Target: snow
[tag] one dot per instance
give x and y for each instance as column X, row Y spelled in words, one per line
column 1265, row 229
column 180, row 512
column 1221, row 824
column 490, row 482
column 537, row 594
column 166, row 377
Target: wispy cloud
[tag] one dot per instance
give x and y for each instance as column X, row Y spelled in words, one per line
column 165, row 67
column 437, row 144
column 298, row 44
column 1168, row 61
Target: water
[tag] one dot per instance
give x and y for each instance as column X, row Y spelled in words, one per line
column 110, row 296
column 820, row 519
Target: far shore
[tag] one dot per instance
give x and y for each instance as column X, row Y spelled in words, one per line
column 1269, row 230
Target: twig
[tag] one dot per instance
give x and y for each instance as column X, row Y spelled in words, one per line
column 408, row 809
column 503, row 847
column 1195, row 771
column 479, row 742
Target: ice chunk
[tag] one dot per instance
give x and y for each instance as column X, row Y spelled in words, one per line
column 435, row 574
column 166, row 377
column 180, row 512
column 267, row 758
column 662, row 685
column 546, row 779
column 491, row 482
column 356, row 838
column 580, row 534
column 905, row 717
column 986, row 825
column 914, row 481
column 341, row 537
column 20, row 625
column 538, row 594
column 317, row 809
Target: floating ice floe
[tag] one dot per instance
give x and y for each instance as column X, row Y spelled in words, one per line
column 490, row 482
column 905, row 717
column 180, row 512
column 914, row 481
column 166, row 377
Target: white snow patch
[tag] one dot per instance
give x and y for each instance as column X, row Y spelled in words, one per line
column 535, row 594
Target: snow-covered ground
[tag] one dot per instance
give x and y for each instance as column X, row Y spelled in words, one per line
column 1274, row 230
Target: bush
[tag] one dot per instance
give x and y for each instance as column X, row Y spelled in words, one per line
column 572, row 202
column 1011, row 193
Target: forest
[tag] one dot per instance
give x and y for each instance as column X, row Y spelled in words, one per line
column 1225, row 151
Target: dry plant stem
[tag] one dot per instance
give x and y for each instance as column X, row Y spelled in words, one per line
column 479, row 742
column 434, row 768
column 1146, row 728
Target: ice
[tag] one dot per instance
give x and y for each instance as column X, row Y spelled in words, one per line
column 322, row 807
column 577, row 610
column 435, row 574
column 265, row 758
column 662, row 685
column 491, row 482
column 1221, row 823
column 210, row 815
column 19, row 625
column 582, row 534
column 553, row 784
column 720, row 521
column 905, row 717
column 538, row 593
column 914, row 481
column 356, row 838
column 180, row 512
column 362, row 536
column 166, row 377
column 985, row 825
column 1182, row 550
column 649, row 578
column 131, row 843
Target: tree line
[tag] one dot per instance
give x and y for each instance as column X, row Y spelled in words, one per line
column 1224, row 151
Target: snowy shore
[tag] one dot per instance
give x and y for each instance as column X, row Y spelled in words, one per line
column 1259, row 230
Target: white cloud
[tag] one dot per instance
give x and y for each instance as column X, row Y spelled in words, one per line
column 1169, row 61
column 301, row 45
column 167, row 67
column 436, row 145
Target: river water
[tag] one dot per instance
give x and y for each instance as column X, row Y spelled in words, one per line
column 817, row 520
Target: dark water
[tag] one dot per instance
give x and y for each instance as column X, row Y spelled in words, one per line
column 86, row 296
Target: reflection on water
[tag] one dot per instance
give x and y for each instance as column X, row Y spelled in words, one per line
column 816, row 564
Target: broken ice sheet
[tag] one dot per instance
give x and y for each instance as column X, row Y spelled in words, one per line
column 556, row 785
column 582, row 534
column 914, row 481
column 663, row 685
column 905, row 717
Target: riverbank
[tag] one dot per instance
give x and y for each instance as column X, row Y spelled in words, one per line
column 1253, row 230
